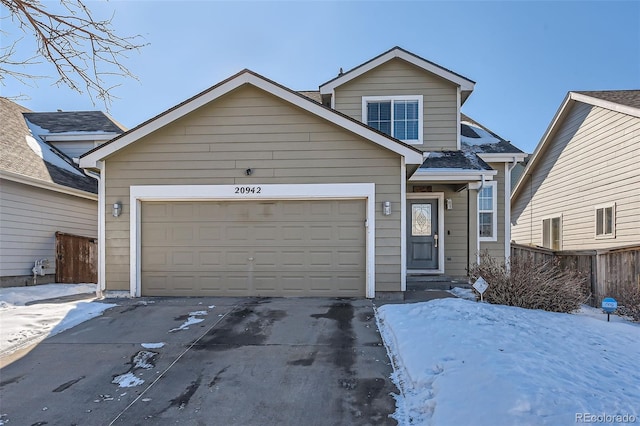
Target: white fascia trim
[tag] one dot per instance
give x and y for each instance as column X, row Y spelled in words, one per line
column 613, row 106
column 141, row 193
column 27, row 180
column 458, row 119
column 423, row 175
column 102, row 254
column 502, row 157
column 412, row 156
column 397, row 53
column 79, row 137
column 507, row 212
column 403, row 225
column 441, row 235
column 419, row 98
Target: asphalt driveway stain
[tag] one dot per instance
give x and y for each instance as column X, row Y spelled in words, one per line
column 216, row 378
column 67, row 385
column 183, row 399
column 244, row 327
column 305, row 362
column 342, row 338
column 11, row 380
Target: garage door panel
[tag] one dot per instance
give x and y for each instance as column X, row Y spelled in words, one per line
column 282, row 248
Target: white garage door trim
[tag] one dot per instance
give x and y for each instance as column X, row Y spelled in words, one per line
column 337, row 191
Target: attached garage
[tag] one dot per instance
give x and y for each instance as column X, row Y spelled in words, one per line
column 253, row 248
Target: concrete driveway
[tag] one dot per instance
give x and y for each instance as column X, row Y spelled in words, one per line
column 208, row 361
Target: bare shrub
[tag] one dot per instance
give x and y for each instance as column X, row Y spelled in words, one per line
column 629, row 301
column 531, row 285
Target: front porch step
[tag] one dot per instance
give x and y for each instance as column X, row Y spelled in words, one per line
column 431, row 282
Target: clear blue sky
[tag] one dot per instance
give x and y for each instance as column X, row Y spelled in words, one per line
column 523, row 55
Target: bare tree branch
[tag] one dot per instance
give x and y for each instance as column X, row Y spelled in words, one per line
column 84, row 51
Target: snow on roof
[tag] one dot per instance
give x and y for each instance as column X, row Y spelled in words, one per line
column 46, row 151
column 475, row 135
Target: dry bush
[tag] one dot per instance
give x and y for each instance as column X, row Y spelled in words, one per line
column 629, row 302
column 543, row 285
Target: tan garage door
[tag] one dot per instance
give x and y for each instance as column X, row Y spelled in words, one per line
column 253, row 248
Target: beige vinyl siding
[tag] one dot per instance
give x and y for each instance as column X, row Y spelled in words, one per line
column 29, row 219
column 74, row 149
column 397, row 77
column 591, row 160
column 496, row 248
column 281, row 143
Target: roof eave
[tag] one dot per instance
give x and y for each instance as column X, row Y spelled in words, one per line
column 90, row 159
column 503, row 157
column 38, row 183
column 462, row 175
column 466, row 85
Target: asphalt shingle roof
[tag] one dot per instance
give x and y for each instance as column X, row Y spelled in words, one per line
column 73, row 121
column 17, row 157
column 473, row 140
column 454, row 160
column 629, row 98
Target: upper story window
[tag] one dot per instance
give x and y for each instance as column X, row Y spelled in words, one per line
column 488, row 212
column 606, row 221
column 397, row 116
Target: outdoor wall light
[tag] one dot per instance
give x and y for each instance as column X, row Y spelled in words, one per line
column 117, row 209
column 248, row 172
column 449, row 203
column 386, row 208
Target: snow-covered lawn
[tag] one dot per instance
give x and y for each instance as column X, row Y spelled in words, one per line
column 22, row 325
column 459, row 362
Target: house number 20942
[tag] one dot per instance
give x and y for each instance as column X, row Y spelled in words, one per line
column 248, row 189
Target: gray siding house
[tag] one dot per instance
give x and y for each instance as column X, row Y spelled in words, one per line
column 41, row 190
column 581, row 187
column 252, row 189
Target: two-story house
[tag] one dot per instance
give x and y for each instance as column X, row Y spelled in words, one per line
column 251, row 188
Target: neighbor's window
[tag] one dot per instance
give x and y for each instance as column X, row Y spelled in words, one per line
column 606, row 221
column 397, row 116
column 552, row 233
column 488, row 212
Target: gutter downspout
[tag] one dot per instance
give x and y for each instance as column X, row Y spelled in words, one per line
column 478, row 221
column 100, row 287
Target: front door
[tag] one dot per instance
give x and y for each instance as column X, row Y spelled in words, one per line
column 422, row 241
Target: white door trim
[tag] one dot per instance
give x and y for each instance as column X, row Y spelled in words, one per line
column 140, row 193
column 430, row 196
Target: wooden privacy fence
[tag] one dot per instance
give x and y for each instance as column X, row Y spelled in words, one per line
column 76, row 259
column 607, row 271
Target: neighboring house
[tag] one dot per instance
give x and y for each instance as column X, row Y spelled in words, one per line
column 41, row 190
column 250, row 188
column 581, row 187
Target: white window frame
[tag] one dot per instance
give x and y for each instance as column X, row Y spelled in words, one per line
column 550, row 219
column 613, row 221
column 419, row 98
column 494, row 186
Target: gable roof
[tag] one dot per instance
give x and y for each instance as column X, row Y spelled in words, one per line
column 464, row 83
column 28, row 159
column 622, row 101
column 90, row 159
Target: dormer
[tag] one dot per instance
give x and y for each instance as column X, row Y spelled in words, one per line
column 405, row 96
